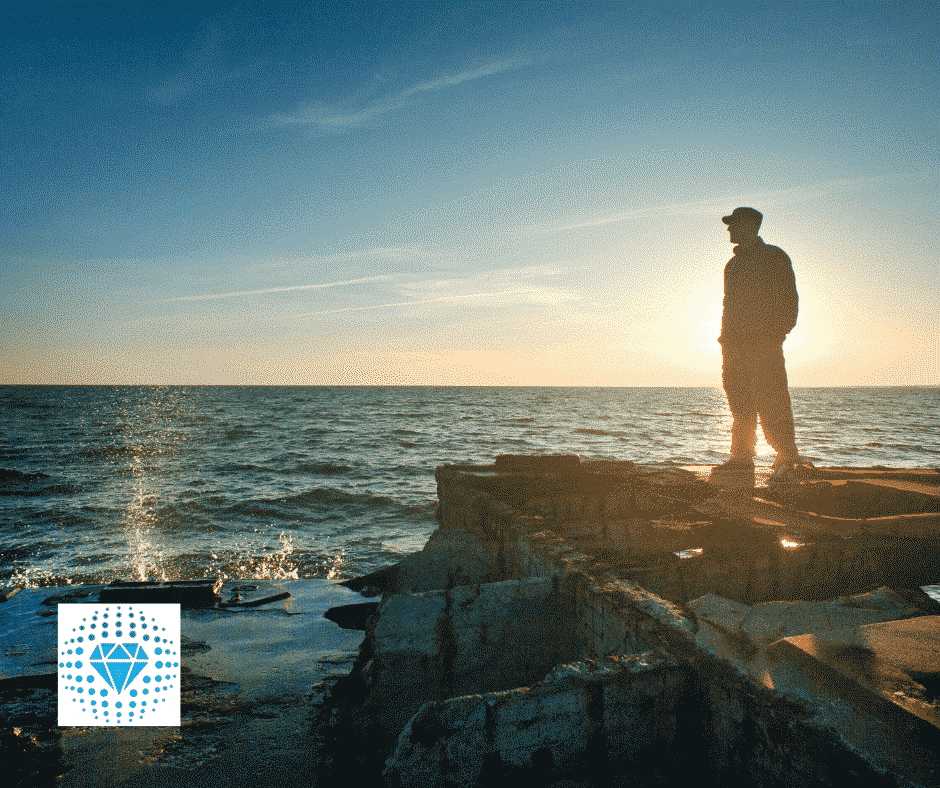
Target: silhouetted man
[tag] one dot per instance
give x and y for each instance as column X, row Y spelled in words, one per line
column 760, row 309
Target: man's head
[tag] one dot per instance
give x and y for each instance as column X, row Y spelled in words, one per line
column 743, row 224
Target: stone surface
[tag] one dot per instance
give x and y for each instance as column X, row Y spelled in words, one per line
column 464, row 640
column 898, row 660
column 584, row 719
column 607, row 535
column 777, row 684
column 452, row 557
column 528, row 463
column 734, row 631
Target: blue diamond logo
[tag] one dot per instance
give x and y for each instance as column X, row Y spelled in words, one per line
column 119, row 663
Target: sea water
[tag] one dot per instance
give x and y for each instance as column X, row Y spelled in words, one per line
column 135, row 482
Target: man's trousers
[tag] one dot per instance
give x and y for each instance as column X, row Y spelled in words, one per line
column 755, row 383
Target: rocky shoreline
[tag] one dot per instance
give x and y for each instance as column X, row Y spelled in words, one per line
column 524, row 641
column 567, row 623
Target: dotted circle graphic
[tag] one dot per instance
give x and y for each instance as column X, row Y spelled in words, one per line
column 108, row 668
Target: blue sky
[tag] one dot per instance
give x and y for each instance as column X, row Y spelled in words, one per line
column 460, row 193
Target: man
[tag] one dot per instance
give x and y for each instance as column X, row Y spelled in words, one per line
column 760, row 309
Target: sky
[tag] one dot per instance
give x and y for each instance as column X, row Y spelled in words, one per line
column 507, row 193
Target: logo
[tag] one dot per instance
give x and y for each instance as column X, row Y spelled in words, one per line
column 119, row 665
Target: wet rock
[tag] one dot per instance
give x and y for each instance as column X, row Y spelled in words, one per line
column 239, row 601
column 9, row 594
column 30, row 740
column 381, row 581
column 69, row 597
column 187, row 593
column 190, row 646
column 352, row 616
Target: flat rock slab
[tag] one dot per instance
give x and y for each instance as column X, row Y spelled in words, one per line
column 187, row 593
column 897, row 660
column 248, row 674
column 28, row 632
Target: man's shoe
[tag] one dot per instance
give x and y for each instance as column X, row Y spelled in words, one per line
column 737, row 465
column 792, row 470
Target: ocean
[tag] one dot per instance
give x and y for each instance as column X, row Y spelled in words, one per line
column 101, row 483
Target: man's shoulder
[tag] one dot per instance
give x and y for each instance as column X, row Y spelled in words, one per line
column 774, row 253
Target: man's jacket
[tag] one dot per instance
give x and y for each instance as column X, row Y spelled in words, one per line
column 760, row 296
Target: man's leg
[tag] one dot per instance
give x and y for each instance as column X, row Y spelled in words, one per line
column 737, row 379
column 772, row 396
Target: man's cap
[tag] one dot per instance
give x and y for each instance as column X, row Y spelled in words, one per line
column 743, row 215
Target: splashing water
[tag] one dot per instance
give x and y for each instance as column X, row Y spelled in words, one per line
column 34, row 577
column 277, row 566
column 335, row 563
column 145, row 559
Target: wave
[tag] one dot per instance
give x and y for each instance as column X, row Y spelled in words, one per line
column 322, row 468
column 589, row 431
column 216, row 512
column 239, row 467
column 237, row 433
column 11, row 475
column 51, row 489
column 14, row 482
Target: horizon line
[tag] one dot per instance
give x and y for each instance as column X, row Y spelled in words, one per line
column 439, row 386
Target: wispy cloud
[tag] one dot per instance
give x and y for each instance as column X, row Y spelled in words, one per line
column 415, row 302
column 351, row 114
column 514, row 281
column 291, row 288
column 365, row 255
column 331, row 118
column 208, row 63
column 464, row 76
column 776, row 197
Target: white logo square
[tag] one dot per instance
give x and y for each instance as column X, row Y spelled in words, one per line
column 119, row 665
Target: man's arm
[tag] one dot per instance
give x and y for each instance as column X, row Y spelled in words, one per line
column 782, row 298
